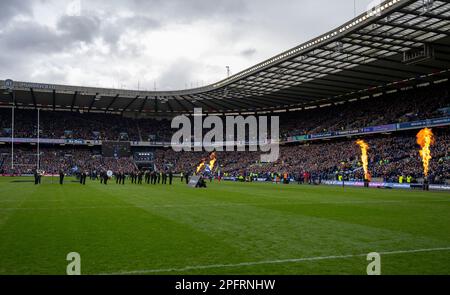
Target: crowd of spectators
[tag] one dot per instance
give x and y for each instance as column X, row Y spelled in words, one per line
column 401, row 106
column 53, row 160
column 390, row 157
column 55, row 124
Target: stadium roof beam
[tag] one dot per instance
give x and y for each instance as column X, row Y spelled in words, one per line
column 94, row 99
column 182, row 100
column 427, row 14
column 306, row 89
column 169, row 105
column 155, row 104
column 260, row 100
column 257, row 99
column 362, row 71
column 206, row 104
column 293, row 98
column 141, row 109
column 33, row 97
column 411, row 27
column 385, row 66
column 239, row 101
column 182, row 106
column 129, row 104
column 74, row 99
column 13, row 98
column 369, row 43
column 227, row 102
column 322, row 83
column 273, row 98
column 54, row 99
column 111, row 103
column 211, row 104
column 415, row 34
column 341, row 75
column 219, row 101
column 394, row 36
column 342, row 69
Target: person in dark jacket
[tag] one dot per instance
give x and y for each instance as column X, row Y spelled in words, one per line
column 140, row 175
column 61, row 177
column 170, row 177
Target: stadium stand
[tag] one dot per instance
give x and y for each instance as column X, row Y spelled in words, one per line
column 391, row 155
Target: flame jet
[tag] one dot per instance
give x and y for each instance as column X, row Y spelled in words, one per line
column 425, row 138
column 210, row 166
column 212, row 160
column 364, row 157
column 200, row 166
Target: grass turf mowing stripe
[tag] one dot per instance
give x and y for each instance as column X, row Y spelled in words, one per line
column 217, row 205
column 280, row 261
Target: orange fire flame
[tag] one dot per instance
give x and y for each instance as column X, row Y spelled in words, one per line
column 200, row 166
column 425, row 139
column 212, row 162
column 364, row 158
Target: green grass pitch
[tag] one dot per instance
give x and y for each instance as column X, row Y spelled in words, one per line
column 228, row 228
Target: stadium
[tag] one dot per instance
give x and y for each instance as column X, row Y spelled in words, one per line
column 363, row 164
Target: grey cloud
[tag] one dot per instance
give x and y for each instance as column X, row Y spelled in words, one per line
column 33, row 37
column 29, row 36
column 12, row 8
column 179, row 75
column 111, row 31
column 175, row 10
column 248, row 52
column 140, row 22
column 79, row 28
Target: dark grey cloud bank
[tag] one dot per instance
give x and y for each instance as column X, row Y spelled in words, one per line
column 113, row 43
column 12, row 8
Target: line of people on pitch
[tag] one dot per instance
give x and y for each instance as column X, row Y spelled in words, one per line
column 151, row 177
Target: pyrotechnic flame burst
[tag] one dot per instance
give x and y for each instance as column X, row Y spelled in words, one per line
column 425, row 138
column 200, row 166
column 364, row 158
column 212, row 162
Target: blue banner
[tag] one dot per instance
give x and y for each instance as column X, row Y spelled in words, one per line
column 383, row 128
column 321, row 135
column 424, row 123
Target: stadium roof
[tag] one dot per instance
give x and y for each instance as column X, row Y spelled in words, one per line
column 396, row 44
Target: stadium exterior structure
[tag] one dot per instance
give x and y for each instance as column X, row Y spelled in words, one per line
column 396, row 45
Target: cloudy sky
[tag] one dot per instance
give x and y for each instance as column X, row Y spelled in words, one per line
column 173, row 44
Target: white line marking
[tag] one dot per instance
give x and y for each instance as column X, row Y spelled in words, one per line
column 200, row 267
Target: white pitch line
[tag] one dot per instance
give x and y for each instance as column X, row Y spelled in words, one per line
column 280, row 261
